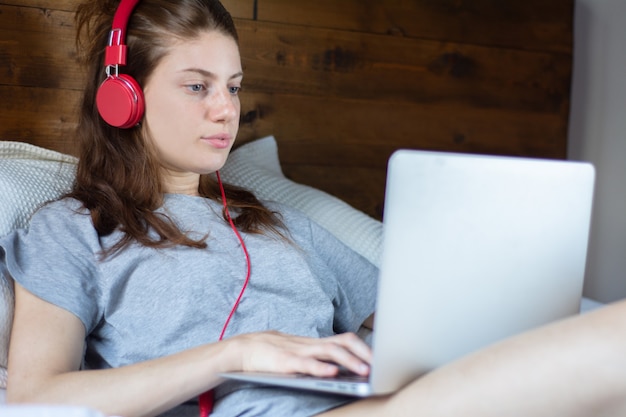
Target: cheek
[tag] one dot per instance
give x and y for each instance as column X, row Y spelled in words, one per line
column 166, row 117
column 237, row 106
column 164, row 126
column 162, row 108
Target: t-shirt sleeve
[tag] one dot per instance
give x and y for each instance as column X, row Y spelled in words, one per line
column 356, row 280
column 55, row 259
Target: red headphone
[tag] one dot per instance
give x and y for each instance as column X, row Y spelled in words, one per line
column 119, row 98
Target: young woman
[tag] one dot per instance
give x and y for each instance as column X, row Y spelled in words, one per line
column 125, row 287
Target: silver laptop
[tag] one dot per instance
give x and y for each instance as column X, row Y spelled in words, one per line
column 475, row 249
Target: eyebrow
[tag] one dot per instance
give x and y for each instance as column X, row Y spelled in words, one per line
column 209, row 74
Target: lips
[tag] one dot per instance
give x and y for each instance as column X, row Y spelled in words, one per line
column 220, row 141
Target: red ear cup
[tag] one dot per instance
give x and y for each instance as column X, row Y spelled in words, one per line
column 120, row 101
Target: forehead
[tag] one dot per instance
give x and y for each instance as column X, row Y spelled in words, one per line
column 212, row 51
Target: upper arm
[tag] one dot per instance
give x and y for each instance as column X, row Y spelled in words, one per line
column 46, row 340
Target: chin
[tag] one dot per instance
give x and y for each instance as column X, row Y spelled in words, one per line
column 212, row 167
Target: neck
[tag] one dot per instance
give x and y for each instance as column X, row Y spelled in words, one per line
column 181, row 184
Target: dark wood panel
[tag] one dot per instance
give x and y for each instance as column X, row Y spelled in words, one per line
column 45, row 21
column 68, row 5
column 297, row 60
column 242, row 9
column 342, row 132
column 531, row 24
column 49, row 40
column 311, row 61
column 331, row 81
column 237, row 8
column 41, row 116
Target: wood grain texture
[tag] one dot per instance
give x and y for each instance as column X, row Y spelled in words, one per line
column 532, row 24
column 334, row 63
column 67, row 5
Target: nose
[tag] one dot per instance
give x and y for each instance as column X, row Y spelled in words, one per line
column 223, row 106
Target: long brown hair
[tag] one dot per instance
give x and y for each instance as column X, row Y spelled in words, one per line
column 118, row 177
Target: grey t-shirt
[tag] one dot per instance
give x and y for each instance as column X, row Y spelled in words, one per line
column 145, row 303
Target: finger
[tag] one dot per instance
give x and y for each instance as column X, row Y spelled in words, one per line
column 337, row 353
column 314, row 366
column 359, row 353
column 355, row 345
column 276, row 352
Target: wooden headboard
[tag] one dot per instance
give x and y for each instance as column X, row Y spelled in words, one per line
column 340, row 83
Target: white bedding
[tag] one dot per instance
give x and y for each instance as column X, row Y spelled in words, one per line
column 47, row 411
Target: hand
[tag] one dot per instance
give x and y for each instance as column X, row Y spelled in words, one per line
column 278, row 352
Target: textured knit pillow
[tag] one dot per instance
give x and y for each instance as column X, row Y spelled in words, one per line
column 256, row 166
column 29, row 176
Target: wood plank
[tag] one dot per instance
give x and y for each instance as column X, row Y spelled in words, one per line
column 238, row 8
column 311, row 61
column 41, row 116
column 49, row 39
column 67, row 5
column 241, row 9
column 532, row 24
column 47, row 22
column 320, row 62
column 355, row 133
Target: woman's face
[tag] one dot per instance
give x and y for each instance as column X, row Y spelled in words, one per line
column 192, row 108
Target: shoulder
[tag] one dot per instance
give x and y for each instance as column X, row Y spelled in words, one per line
column 65, row 213
column 65, row 223
column 287, row 213
column 298, row 224
column 56, row 258
column 66, row 206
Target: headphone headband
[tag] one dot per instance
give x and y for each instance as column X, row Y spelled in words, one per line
column 116, row 50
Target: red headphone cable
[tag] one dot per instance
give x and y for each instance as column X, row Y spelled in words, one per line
column 205, row 401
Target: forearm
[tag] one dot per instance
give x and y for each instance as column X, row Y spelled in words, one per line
column 573, row 368
column 45, row 356
column 151, row 387
column 142, row 389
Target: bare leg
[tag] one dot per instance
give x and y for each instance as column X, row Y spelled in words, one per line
column 576, row 367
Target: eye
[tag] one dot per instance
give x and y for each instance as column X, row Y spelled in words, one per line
column 196, row 88
column 234, row 90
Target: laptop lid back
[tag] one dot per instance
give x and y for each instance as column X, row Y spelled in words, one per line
column 476, row 248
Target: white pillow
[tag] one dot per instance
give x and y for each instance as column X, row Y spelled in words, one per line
column 31, row 176
column 256, row 166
